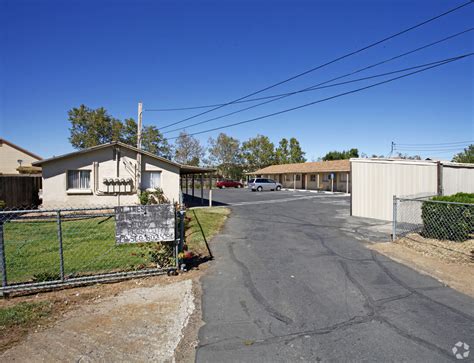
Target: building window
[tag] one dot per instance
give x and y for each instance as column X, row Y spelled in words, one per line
column 288, row 177
column 298, row 177
column 78, row 179
column 151, row 180
column 326, row 177
column 343, row 177
column 312, row 177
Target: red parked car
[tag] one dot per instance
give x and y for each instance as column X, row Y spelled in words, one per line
column 227, row 183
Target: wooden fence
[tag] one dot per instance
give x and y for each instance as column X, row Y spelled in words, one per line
column 20, row 191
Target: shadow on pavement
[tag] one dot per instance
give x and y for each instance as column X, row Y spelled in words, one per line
column 190, row 201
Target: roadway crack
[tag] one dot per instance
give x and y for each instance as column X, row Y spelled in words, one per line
column 248, row 282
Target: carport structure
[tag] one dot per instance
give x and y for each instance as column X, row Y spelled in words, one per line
column 187, row 173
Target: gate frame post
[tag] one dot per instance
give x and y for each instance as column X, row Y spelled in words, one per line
column 60, row 239
column 394, row 218
column 3, row 261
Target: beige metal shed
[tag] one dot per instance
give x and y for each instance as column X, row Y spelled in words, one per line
column 376, row 181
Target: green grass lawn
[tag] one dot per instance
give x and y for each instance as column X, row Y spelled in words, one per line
column 32, row 249
column 201, row 225
column 24, row 313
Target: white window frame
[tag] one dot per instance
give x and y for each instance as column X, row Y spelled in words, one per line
column 78, row 189
column 146, row 181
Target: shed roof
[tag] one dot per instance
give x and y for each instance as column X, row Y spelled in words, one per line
column 103, row 146
column 310, row 167
column 412, row 162
column 184, row 169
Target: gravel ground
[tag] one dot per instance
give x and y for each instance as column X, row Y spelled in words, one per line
column 448, row 251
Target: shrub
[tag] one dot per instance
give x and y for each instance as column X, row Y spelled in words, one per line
column 453, row 222
column 2, row 204
column 160, row 254
column 153, row 197
column 458, row 198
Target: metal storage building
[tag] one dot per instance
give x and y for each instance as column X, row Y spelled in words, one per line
column 376, row 181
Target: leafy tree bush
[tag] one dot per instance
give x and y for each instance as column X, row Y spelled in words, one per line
column 3, row 205
column 453, row 222
column 466, row 156
column 341, row 155
column 153, row 197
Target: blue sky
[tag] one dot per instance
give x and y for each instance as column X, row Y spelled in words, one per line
column 59, row 54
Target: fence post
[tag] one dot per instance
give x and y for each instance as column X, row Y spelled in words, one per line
column 181, row 229
column 394, row 224
column 60, row 239
column 2, row 257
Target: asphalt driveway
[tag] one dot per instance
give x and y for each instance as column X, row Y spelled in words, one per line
column 292, row 281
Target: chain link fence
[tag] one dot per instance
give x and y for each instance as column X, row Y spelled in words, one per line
column 58, row 247
column 433, row 219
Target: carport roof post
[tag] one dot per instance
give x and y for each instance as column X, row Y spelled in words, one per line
column 186, row 170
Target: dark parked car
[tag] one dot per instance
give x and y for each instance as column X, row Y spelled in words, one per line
column 227, row 183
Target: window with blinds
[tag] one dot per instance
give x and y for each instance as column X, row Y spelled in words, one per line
column 78, row 179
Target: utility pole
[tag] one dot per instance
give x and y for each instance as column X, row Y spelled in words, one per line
column 391, row 149
column 139, row 146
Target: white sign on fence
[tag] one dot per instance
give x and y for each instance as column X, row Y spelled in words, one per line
column 145, row 223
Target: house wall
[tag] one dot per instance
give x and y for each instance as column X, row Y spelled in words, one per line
column 374, row 183
column 9, row 157
column 102, row 165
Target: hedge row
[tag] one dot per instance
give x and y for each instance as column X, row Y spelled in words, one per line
column 453, row 222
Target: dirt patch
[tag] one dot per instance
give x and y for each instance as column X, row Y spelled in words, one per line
column 138, row 324
column 448, row 262
column 65, row 301
column 448, row 251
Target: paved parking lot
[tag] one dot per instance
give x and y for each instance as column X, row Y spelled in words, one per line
column 292, row 281
column 246, row 196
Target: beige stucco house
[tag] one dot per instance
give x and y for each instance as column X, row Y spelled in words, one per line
column 12, row 157
column 106, row 175
column 321, row 175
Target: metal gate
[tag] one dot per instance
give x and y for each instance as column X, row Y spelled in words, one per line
column 42, row 249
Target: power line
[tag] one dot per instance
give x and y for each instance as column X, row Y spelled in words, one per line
column 309, row 89
column 438, row 143
column 327, row 63
column 325, row 99
column 439, row 149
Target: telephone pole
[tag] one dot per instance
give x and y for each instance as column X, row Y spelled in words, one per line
column 139, row 146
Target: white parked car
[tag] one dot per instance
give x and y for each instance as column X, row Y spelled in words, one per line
column 259, row 184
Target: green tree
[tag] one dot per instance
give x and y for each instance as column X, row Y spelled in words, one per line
column 282, row 152
column 152, row 139
column 92, row 127
column 224, row 153
column 340, row 155
column 466, row 156
column 408, row 157
column 296, row 153
column 258, row 152
column 188, row 150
